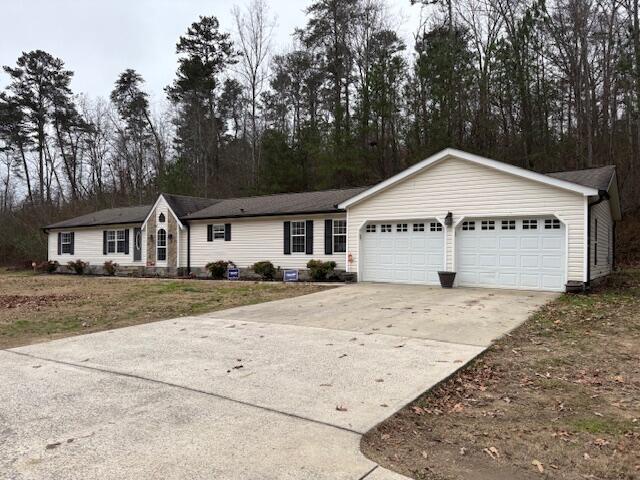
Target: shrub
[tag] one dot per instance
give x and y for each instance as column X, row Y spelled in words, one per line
column 219, row 268
column 78, row 266
column 48, row 267
column 111, row 267
column 320, row 270
column 265, row 269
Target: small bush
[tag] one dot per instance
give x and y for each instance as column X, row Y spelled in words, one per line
column 78, row 266
column 219, row 268
column 320, row 270
column 265, row 269
column 111, row 267
column 47, row 267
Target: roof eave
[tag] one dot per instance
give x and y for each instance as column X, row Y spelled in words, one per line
column 85, row 225
column 279, row 214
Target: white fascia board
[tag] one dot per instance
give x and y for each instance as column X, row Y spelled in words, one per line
column 153, row 209
column 487, row 162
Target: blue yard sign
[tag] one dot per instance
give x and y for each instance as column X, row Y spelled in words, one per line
column 233, row 273
column 290, row 275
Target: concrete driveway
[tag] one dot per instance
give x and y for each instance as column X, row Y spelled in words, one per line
column 282, row 390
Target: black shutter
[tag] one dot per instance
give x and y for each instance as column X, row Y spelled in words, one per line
column 59, row 243
column 227, row 232
column 287, row 238
column 73, row 242
column 126, row 242
column 309, row 237
column 104, row 242
column 328, row 237
column 209, row 233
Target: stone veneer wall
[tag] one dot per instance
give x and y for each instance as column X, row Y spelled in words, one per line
column 151, row 239
column 172, row 244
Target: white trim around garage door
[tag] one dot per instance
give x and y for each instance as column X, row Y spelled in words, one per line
column 516, row 216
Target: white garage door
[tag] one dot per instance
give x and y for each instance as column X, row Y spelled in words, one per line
column 410, row 251
column 527, row 253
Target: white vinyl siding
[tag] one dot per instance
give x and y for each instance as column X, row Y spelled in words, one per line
column 470, row 190
column 256, row 239
column 88, row 246
column 601, row 214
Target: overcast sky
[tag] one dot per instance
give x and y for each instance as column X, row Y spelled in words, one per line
column 98, row 39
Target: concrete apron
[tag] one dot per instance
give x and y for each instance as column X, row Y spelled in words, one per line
column 203, row 397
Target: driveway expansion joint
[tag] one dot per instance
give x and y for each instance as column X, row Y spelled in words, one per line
column 184, row 387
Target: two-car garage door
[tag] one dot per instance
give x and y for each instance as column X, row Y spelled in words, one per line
column 403, row 252
column 523, row 253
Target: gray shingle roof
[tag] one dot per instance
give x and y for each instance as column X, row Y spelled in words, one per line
column 280, row 204
column 183, row 205
column 598, row 178
column 109, row 216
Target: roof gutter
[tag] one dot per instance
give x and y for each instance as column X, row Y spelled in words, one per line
column 602, row 196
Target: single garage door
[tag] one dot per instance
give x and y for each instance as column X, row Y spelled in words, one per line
column 526, row 253
column 410, row 251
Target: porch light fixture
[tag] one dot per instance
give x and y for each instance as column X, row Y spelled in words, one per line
column 448, row 220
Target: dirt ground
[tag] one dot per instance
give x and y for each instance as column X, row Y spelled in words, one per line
column 558, row 398
column 36, row 308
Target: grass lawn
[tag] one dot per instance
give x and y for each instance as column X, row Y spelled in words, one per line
column 36, row 308
column 558, row 398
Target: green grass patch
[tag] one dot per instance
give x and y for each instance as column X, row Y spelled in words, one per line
column 600, row 425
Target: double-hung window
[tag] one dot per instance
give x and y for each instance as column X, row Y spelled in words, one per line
column 116, row 241
column 162, row 245
column 111, row 241
column 298, row 235
column 218, row 231
column 120, row 244
column 65, row 242
column 339, row 236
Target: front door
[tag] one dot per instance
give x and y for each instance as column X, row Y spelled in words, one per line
column 137, row 245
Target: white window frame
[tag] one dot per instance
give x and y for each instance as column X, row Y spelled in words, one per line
column 385, row 228
column 342, row 223
column 116, row 241
column 435, row 227
column 418, row 227
column 295, row 233
column 487, row 225
column 371, row 228
column 217, row 230
column 65, row 241
column 468, row 225
column 161, row 247
column 530, row 224
column 552, row 224
column 401, row 227
column 508, row 225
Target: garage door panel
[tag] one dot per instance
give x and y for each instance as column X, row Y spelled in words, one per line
column 514, row 258
column 552, row 261
column 485, row 260
column 508, row 243
column 530, row 280
column 552, row 243
column 508, row 279
column 529, row 261
column 508, row 261
column 402, row 256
